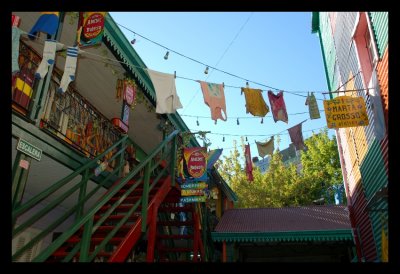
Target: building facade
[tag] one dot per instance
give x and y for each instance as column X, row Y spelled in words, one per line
column 93, row 172
column 355, row 52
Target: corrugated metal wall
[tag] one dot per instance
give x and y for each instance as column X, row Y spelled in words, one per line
column 373, row 170
column 364, row 225
column 383, row 76
column 377, row 223
column 359, row 143
column 328, row 46
column 379, row 22
column 385, row 153
column 348, row 63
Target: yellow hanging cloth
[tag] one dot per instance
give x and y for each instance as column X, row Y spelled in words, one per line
column 255, row 103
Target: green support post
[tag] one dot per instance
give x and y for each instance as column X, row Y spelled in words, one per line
column 85, row 241
column 145, row 196
column 82, row 194
column 173, row 160
column 121, row 160
column 19, row 179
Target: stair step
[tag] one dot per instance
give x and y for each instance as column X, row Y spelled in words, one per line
column 163, row 236
column 121, row 207
column 175, row 209
column 102, row 230
column 175, row 223
column 172, row 199
column 133, row 217
column 114, row 241
column 166, row 249
column 127, row 200
column 63, row 254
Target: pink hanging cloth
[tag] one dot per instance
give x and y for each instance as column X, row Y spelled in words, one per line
column 249, row 165
column 278, row 106
column 214, row 97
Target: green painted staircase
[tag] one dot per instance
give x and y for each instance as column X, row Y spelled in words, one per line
column 109, row 229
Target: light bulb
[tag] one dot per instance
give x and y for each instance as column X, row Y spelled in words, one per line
column 206, row 71
column 223, row 139
column 237, row 121
column 262, row 120
column 166, row 55
column 133, row 41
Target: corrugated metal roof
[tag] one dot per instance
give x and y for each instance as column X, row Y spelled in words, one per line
column 306, row 218
column 379, row 22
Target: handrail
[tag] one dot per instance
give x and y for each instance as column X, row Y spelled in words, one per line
column 86, row 220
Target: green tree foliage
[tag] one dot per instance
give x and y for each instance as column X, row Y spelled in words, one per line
column 285, row 184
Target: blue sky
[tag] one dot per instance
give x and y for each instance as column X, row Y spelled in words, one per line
column 276, row 49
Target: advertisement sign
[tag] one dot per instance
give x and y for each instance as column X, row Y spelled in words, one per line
column 129, row 92
column 200, row 185
column 345, row 111
column 195, row 163
column 90, row 28
column 193, row 199
column 192, row 192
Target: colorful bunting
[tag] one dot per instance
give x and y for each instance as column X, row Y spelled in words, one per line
column 214, row 97
column 278, row 106
column 266, row 147
column 249, row 165
column 296, row 136
column 255, row 103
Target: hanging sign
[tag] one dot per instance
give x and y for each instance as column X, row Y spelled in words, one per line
column 200, row 185
column 196, row 163
column 345, row 111
column 129, row 92
column 90, row 28
column 192, row 192
column 193, row 199
column 125, row 113
column 29, row 149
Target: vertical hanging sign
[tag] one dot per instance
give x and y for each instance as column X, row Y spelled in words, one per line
column 196, row 163
column 90, row 28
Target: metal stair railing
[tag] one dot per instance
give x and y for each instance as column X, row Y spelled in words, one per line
column 86, row 220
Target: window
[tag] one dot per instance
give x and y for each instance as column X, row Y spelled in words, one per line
column 365, row 46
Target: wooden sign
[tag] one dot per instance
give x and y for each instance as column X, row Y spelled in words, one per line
column 345, row 111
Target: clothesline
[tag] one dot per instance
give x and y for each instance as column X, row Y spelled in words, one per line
column 80, row 51
column 254, row 143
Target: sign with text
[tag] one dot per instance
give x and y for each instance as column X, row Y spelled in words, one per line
column 195, row 163
column 345, row 111
column 193, row 199
column 192, row 192
column 199, row 185
column 29, row 149
column 90, row 28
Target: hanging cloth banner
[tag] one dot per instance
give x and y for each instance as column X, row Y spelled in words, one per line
column 90, row 28
column 212, row 157
column 345, row 111
column 278, row 106
column 164, row 84
column 214, row 98
column 47, row 23
column 195, row 164
column 249, row 165
column 255, row 103
column 312, row 106
column 265, row 148
column 296, row 136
